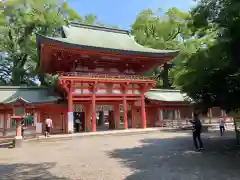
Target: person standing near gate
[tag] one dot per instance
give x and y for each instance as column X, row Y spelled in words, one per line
column 77, row 123
column 23, row 127
column 49, row 126
column 222, row 126
column 197, row 130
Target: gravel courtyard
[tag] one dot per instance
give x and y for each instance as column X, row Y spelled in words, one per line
column 153, row 156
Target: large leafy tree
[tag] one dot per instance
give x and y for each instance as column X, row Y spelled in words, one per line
column 165, row 30
column 4, row 70
column 212, row 75
column 20, row 20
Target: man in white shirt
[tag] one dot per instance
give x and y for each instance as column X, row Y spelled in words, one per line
column 222, row 126
column 49, row 126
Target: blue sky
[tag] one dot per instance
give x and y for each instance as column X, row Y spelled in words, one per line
column 123, row 12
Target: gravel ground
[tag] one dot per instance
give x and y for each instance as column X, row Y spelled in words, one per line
column 153, row 156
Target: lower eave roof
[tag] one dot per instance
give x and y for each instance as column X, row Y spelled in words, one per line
column 165, row 95
column 36, row 95
column 29, row 95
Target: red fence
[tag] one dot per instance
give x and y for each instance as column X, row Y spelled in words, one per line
column 185, row 122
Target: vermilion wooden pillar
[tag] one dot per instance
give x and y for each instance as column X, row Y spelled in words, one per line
column 18, row 128
column 38, row 116
column 133, row 111
column 5, row 124
column 70, row 102
column 143, row 112
column 116, row 113
column 125, row 119
column 70, row 111
column 94, row 112
column 87, row 117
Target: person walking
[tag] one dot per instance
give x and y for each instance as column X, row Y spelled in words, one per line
column 197, row 130
column 222, row 126
column 23, row 127
column 49, row 126
column 77, row 124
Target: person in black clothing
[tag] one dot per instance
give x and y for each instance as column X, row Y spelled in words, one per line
column 197, row 128
column 22, row 128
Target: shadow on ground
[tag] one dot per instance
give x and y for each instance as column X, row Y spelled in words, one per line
column 174, row 159
column 28, row 172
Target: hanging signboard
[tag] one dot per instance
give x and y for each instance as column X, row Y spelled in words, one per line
column 18, row 111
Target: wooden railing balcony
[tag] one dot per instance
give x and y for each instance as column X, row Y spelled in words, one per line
column 108, row 76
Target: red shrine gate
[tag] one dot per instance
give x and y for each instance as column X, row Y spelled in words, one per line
column 99, row 90
column 99, row 65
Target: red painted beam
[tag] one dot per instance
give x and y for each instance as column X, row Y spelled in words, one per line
column 104, row 99
column 107, row 95
column 62, row 48
column 53, row 47
column 103, row 80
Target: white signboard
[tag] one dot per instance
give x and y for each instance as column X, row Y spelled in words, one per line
column 70, row 122
column 39, row 128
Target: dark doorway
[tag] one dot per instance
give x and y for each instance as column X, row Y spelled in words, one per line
column 129, row 115
column 79, row 123
column 111, row 120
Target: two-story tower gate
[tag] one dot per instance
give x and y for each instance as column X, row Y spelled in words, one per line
column 98, row 65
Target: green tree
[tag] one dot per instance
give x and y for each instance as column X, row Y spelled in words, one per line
column 212, row 76
column 163, row 30
column 19, row 23
column 4, row 70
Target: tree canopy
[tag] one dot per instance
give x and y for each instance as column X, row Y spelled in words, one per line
column 20, row 21
column 211, row 76
column 168, row 30
column 161, row 30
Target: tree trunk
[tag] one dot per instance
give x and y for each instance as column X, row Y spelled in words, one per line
column 16, row 77
column 166, row 84
column 42, row 80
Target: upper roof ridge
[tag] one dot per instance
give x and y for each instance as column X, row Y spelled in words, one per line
column 165, row 90
column 98, row 27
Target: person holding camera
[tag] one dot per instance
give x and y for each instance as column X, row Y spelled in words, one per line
column 197, row 130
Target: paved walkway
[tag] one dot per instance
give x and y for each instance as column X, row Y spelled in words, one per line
column 151, row 156
column 104, row 133
column 121, row 132
column 5, row 142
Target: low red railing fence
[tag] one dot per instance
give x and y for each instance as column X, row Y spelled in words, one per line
column 107, row 76
column 185, row 122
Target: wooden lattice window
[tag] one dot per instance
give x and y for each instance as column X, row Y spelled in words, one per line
column 29, row 120
column 29, row 117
